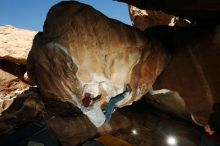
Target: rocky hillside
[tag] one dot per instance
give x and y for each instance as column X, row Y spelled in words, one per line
column 15, row 44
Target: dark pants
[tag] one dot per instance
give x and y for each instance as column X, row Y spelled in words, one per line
column 111, row 106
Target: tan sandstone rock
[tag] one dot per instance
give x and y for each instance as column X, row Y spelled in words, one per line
column 10, row 88
column 15, row 44
column 144, row 19
column 80, row 46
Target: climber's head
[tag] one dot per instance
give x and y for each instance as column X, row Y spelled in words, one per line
column 87, row 100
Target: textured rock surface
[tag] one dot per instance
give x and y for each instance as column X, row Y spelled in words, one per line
column 92, row 49
column 15, row 43
column 202, row 11
column 194, row 69
column 70, row 126
column 143, row 19
column 168, row 101
column 10, row 87
column 14, row 47
column 67, row 122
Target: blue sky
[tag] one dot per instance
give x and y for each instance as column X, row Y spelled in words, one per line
column 30, row 14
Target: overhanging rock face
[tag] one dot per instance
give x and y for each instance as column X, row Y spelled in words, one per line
column 201, row 11
column 194, row 69
column 80, row 46
column 144, row 19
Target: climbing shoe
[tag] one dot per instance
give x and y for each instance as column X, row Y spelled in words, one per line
column 128, row 88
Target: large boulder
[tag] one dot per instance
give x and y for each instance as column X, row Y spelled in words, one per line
column 80, row 46
column 68, row 123
column 15, row 44
column 194, row 69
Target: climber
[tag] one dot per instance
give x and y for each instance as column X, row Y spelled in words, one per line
column 112, row 103
column 211, row 136
column 92, row 106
